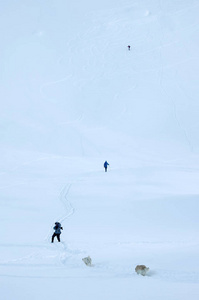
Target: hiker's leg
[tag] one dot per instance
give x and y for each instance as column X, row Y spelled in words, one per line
column 58, row 237
column 53, row 236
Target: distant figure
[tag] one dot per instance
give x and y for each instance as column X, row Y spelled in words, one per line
column 106, row 164
column 57, row 232
column 129, row 47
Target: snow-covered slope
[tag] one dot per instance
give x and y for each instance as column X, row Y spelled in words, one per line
column 69, row 82
column 73, row 95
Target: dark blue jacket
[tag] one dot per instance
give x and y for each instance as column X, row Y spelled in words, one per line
column 57, row 228
column 106, row 164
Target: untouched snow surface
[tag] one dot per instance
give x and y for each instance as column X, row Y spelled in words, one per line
column 73, row 96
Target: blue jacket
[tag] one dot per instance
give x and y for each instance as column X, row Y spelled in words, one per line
column 106, row 164
column 57, row 228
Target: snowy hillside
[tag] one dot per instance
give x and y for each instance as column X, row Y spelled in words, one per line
column 73, row 96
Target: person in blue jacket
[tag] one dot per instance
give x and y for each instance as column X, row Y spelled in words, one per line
column 106, row 164
column 57, row 228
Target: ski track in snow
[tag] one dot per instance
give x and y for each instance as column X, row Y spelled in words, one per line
column 69, row 210
column 62, row 253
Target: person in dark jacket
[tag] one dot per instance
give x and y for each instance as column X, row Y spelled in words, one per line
column 57, row 228
column 106, row 164
column 129, row 47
